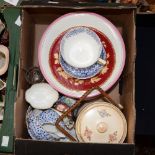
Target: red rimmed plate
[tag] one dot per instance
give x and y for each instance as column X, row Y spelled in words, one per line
column 82, row 84
column 53, row 72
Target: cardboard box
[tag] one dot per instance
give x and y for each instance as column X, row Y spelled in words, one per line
column 35, row 20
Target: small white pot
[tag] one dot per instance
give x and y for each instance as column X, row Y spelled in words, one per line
column 41, row 96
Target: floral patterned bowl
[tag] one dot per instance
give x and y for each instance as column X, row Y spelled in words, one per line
column 101, row 122
column 41, row 125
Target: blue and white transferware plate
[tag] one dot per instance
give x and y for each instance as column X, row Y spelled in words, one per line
column 41, row 125
column 83, row 73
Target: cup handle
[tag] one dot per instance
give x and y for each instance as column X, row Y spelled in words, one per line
column 4, row 50
column 101, row 61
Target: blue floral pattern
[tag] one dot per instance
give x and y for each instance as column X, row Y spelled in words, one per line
column 35, row 120
column 83, row 73
column 103, row 113
column 77, row 30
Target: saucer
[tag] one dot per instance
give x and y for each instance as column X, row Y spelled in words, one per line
column 79, row 86
column 80, row 47
column 83, row 73
column 41, row 125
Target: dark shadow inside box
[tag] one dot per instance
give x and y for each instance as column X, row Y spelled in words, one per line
column 145, row 74
column 145, row 145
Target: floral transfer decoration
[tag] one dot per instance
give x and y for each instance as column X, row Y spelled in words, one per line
column 88, row 133
column 82, row 84
column 103, row 113
column 113, row 137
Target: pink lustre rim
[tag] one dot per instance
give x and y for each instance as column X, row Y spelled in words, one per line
column 110, row 25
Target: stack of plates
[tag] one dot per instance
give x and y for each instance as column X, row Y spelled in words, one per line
column 75, row 84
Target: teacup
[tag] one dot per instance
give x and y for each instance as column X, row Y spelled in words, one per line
column 80, row 47
column 4, row 59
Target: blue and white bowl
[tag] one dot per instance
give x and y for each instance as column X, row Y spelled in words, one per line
column 80, row 47
column 83, row 73
column 41, row 125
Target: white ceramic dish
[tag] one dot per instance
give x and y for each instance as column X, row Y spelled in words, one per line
column 101, row 122
column 80, row 47
column 41, row 96
column 86, row 19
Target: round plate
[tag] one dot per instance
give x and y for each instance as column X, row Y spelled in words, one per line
column 113, row 44
column 83, row 73
column 81, row 84
column 41, row 125
column 101, row 122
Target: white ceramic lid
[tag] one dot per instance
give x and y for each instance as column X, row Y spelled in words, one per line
column 101, row 122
